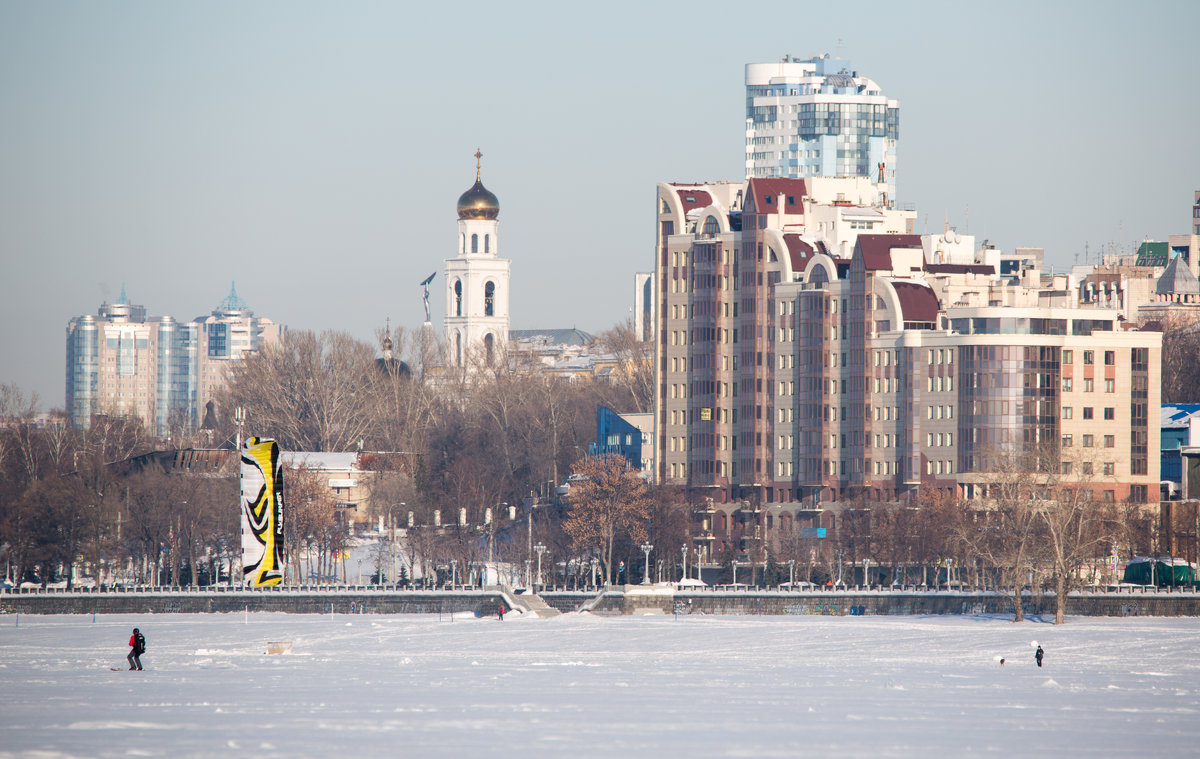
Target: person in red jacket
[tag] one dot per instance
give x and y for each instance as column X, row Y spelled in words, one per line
column 137, row 647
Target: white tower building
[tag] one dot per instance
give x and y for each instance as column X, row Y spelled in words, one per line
column 819, row 118
column 477, row 280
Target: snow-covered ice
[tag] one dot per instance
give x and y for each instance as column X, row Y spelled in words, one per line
column 578, row 685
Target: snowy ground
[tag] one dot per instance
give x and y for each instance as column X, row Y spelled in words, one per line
column 582, row 686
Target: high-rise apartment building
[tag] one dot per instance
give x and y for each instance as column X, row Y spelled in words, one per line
column 812, row 352
column 159, row 369
column 819, row 118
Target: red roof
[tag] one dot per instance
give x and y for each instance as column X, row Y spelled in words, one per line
column 876, row 250
column 692, row 198
column 764, row 193
column 799, row 251
column 917, row 301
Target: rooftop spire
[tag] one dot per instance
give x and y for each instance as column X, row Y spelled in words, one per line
column 232, row 302
column 478, row 155
column 124, row 298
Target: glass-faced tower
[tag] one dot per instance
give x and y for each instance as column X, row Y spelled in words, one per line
column 819, row 118
column 477, row 281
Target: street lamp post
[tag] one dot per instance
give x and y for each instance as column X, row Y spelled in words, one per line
column 698, row 577
column 528, row 573
column 453, row 573
column 792, row 573
column 595, row 562
column 684, row 561
column 646, row 549
column 541, row 549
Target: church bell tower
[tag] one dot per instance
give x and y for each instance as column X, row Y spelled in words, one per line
column 477, row 281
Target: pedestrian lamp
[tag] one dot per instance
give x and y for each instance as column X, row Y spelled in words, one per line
column 528, row 573
column 684, row 550
column 595, row 561
column 698, row 577
column 646, row 549
column 453, row 573
column 541, row 549
column 792, row 572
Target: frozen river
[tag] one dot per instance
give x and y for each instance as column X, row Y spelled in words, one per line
column 582, row 686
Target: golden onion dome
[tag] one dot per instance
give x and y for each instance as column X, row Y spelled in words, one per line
column 478, row 202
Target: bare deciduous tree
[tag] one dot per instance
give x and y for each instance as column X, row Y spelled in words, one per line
column 607, row 501
column 635, row 363
column 309, row 392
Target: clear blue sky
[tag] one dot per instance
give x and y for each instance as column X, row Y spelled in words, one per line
column 314, row 151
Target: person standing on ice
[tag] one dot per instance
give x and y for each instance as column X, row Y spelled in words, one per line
column 137, row 647
column 500, row 612
column 1038, row 655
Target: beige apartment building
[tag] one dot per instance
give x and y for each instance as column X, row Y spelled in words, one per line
column 813, row 353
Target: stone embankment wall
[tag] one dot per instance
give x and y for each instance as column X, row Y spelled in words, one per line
column 643, row 600
column 288, row 600
column 618, row 600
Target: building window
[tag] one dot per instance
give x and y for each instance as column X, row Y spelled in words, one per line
column 1087, row 412
column 1088, row 358
column 1068, row 441
column 1109, row 468
column 1110, row 414
column 1110, row 358
column 1067, row 412
column 1088, row 440
column 474, row 243
column 1088, row 385
column 458, row 297
column 1110, row 386
column 487, row 243
column 489, row 299
column 1067, row 385
column 1068, row 357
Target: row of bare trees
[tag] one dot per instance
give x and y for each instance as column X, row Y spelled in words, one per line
column 448, row 441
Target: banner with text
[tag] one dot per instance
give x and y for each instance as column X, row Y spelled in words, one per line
column 262, row 513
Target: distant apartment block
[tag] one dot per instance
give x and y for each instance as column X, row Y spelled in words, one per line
column 157, row 368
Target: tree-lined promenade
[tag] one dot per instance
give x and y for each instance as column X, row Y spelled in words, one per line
column 104, row 503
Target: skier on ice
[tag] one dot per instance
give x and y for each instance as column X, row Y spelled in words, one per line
column 137, row 647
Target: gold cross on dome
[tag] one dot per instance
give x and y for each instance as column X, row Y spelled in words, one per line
column 478, row 155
